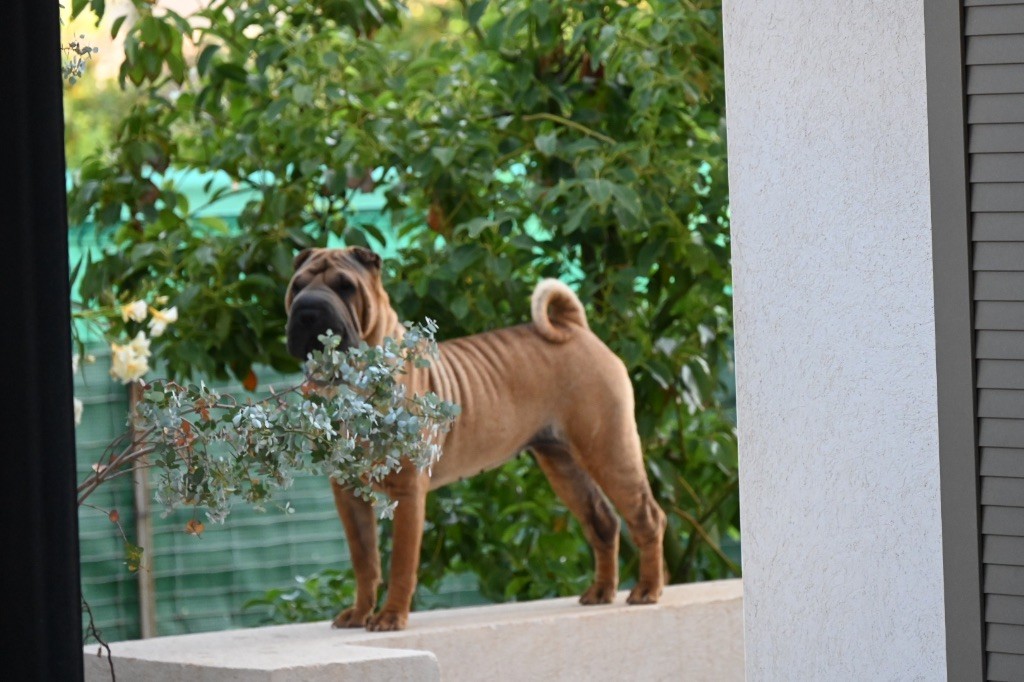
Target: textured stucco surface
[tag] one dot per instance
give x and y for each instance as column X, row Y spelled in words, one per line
column 839, row 468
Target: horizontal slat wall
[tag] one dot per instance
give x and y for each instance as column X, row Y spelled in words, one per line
column 990, row 18
column 997, row 227
column 1007, row 374
column 1002, row 462
column 997, row 49
column 1005, row 609
column 999, row 256
column 1008, row 168
column 994, row 57
column 1001, row 579
column 1005, row 667
column 1000, row 345
column 999, row 315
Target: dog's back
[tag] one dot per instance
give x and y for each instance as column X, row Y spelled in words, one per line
column 515, row 383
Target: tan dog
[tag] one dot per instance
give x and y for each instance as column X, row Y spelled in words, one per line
column 551, row 387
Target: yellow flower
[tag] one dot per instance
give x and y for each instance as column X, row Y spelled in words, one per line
column 136, row 310
column 140, row 345
column 125, row 364
column 161, row 318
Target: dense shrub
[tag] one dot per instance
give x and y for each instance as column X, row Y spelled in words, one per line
column 512, row 140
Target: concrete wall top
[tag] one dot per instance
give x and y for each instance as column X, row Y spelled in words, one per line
column 695, row 633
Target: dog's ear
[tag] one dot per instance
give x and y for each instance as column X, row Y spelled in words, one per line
column 301, row 258
column 367, row 257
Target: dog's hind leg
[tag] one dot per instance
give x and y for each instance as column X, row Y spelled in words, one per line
column 600, row 524
column 614, row 458
column 361, row 530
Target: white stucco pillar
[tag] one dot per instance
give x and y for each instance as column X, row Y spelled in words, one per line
column 835, row 346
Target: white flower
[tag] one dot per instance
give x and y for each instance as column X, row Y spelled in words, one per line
column 136, row 310
column 140, row 345
column 125, row 364
column 161, row 318
column 74, row 363
column 78, row 411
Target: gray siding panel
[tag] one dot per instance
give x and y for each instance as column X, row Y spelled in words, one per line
column 997, row 168
column 1000, row 404
column 1000, row 345
column 996, row 49
column 1006, row 609
column 1007, row 108
column 1002, row 462
column 1005, row 668
column 999, row 286
column 1003, row 549
column 995, row 79
column 997, row 227
column 1001, row 197
column 999, row 315
column 1005, row 639
column 996, row 138
column 1003, row 521
column 1001, row 433
column 1004, row 256
column 1003, row 492
column 1004, row 580
column 1001, row 374
column 989, row 80
column 994, row 20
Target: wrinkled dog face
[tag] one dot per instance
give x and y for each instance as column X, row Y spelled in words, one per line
column 330, row 290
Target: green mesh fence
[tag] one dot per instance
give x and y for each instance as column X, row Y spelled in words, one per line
column 109, row 589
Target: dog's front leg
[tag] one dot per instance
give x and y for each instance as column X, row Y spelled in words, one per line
column 361, row 530
column 409, row 489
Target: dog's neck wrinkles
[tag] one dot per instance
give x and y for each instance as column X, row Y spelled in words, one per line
column 382, row 322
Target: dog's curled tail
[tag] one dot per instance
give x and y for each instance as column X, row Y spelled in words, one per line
column 556, row 311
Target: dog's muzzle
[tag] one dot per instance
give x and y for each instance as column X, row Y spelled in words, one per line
column 312, row 314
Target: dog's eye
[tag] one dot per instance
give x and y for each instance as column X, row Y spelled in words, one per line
column 297, row 286
column 344, row 286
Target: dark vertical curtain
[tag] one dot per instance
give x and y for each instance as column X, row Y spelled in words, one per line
column 40, row 603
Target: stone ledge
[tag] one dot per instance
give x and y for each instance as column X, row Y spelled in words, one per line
column 694, row 633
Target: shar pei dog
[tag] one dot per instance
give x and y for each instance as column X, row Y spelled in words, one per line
column 550, row 386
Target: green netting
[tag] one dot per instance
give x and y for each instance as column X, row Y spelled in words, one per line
column 109, row 589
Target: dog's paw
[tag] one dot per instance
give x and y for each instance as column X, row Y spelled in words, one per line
column 386, row 621
column 598, row 594
column 644, row 594
column 350, row 618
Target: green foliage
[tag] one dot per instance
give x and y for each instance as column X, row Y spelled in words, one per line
column 316, row 597
column 513, row 140
column 507, row 528
column 91, row 109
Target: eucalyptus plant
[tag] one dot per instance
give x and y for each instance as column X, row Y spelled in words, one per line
column 352, row 419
